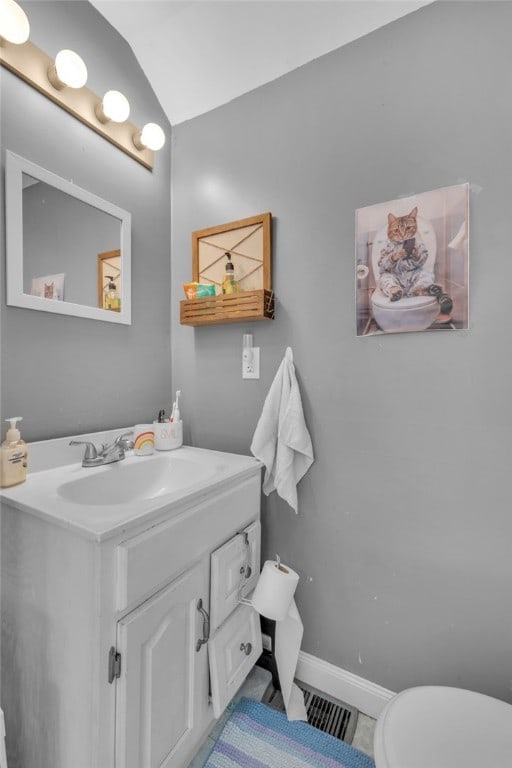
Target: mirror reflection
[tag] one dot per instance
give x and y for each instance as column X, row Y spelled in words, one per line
column 109, row 280
column 62, row 237
column 68, row 251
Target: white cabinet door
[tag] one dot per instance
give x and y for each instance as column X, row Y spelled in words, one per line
column 162, row 694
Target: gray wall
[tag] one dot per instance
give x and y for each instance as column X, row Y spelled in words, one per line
column 403, row 538
column 67, row 375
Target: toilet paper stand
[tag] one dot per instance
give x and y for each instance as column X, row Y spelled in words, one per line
column 267, row 660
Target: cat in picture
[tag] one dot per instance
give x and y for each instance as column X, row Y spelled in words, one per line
column 402, row 271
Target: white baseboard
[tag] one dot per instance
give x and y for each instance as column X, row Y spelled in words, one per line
column 366, row 696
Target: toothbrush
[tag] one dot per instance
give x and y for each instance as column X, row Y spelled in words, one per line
column 175, row 413
column 176, row 407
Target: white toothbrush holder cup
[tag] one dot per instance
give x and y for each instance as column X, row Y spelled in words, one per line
column 168, row 435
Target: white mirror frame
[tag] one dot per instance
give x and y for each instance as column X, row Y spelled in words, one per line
column 15, row 166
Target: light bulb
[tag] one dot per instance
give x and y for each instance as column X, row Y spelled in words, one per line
column 114, row 106
column 151, row 137
column 69, row 69
column 14, row 26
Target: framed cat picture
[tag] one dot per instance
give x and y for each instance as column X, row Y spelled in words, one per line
column 48, row 287
column 412, row 263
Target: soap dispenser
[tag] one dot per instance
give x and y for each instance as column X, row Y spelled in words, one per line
column 111, row 298
column 13, row 457
column 229, row 284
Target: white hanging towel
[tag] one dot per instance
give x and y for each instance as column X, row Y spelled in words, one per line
column 281, row 439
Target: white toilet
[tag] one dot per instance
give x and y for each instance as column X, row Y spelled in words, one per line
column 412, row 313
column 439, row 727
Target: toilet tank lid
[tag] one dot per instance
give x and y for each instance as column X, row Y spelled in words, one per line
column 443, row 727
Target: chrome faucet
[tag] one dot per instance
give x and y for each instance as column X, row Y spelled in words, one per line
column 116, row 451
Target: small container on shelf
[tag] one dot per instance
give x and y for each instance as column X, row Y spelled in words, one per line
column 229, row 284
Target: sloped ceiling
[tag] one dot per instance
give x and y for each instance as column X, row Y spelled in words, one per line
column 199, row 54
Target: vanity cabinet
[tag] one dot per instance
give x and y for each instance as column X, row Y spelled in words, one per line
column 105, row 639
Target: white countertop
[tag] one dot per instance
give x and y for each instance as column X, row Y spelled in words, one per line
column 40, row 494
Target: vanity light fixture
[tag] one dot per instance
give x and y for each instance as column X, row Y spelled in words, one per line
column 14, row 26
column 63, row 81
column 68, row 70
column 151, row 137
column 114, row 106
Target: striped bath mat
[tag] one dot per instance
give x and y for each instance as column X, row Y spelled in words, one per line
column 256, row 736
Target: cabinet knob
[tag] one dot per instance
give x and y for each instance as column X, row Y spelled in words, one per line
column 246, row 648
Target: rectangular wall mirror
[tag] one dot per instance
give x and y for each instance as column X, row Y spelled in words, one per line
column 56, row 235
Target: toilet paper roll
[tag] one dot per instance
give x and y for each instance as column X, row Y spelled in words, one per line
column 275, row 590
column 273, row 598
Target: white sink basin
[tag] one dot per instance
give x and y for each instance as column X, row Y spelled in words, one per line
column 128, row 481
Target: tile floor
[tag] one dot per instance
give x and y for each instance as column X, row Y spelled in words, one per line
column 363, row 737
column 254, row 688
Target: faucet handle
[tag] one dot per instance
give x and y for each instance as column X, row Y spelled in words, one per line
column 90, row 451
column 123, row 441
column 91, row 458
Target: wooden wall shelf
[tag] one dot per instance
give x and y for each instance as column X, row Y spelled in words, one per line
column 228, row 308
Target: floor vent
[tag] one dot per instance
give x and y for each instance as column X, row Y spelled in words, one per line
column 324, row 712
